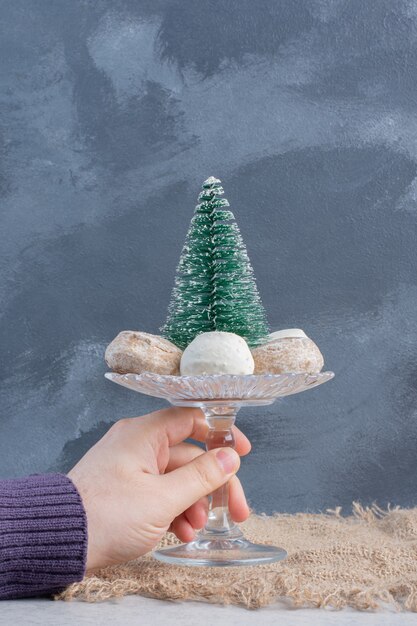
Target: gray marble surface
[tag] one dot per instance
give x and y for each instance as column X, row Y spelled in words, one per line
column 137, row 610
column 112, row 115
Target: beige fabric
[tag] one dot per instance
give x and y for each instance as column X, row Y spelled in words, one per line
column 360, row 561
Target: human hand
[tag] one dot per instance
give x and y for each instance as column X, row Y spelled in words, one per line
column 141, row 479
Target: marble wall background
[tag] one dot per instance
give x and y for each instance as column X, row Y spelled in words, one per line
column 112, row 114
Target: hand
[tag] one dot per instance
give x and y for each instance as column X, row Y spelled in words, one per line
column 141, row 479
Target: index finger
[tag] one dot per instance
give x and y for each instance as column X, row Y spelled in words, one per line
column 180, row 423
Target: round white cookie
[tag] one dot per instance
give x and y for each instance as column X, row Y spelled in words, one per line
column 288, row 351
column 217, row 353
column 287, row 332
column 136, row 352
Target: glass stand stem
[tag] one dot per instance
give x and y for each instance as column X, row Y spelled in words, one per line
column 221, row 542
column 220, row 525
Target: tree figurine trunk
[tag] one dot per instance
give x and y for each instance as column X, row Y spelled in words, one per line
column 215, row 287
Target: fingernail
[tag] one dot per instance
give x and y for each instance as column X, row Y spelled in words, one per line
column 227, row 459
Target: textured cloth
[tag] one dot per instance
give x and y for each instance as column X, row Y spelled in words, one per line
column 360, row 561
column 43, row 535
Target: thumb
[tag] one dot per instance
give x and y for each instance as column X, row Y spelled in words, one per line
column 200, row 477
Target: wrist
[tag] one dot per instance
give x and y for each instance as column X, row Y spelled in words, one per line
column 92, row 560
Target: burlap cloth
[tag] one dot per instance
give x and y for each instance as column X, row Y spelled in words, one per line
column 360, row 561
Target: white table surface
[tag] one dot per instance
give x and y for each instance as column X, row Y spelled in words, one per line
column 137, row 610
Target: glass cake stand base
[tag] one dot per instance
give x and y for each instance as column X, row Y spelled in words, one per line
column 220, row 552
column 220, row 542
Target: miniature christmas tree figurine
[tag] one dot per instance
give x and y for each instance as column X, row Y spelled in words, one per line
column 215, row 287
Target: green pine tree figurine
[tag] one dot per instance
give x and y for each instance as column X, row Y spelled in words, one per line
column 215, row 287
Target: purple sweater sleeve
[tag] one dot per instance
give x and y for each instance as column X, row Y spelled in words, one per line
column 43, row 535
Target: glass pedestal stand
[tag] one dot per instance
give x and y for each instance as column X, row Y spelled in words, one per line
column 221, row 542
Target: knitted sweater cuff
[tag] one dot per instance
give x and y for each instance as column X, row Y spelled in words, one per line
column 43, row 535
